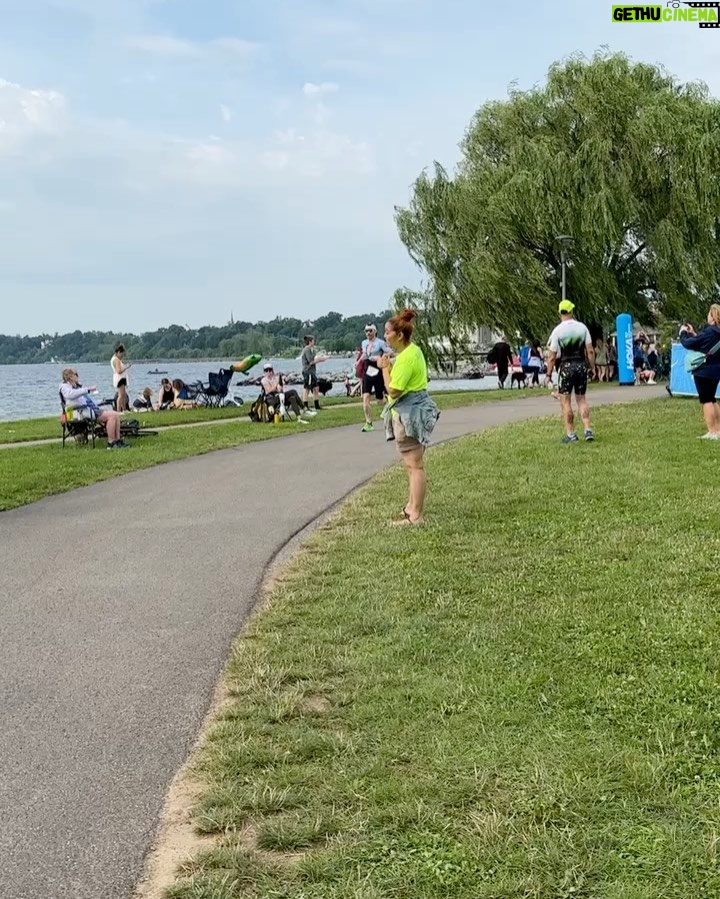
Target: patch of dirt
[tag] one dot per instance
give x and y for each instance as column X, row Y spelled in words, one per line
column 316, row 703
column 177, row 840
column 248, row 839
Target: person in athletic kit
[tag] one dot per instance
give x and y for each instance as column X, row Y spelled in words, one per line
column 571, row 352
column 372, row 381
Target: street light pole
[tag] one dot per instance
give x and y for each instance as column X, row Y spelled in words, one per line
column 564, row 240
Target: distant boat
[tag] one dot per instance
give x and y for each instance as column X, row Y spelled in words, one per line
column 157, row 372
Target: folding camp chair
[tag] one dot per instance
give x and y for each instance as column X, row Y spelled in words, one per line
column 216, row 390
column 74, row 425
column 87, row 430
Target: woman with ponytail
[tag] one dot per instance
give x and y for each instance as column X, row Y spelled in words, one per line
column 410, row 414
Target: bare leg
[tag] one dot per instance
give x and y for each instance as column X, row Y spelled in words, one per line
column 567, row 411
column 711, row 414
column 122, row 401
column 418, row 483
column 111, row 420
column 584, row 410
column 367, row 411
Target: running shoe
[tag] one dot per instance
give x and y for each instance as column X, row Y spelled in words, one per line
column 589, row 434
column 366, row 428
column 570, row 438
column 709, row 436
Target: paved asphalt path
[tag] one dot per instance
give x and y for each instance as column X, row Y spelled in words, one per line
column 118, row 606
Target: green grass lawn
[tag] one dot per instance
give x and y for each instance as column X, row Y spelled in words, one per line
column 520, row 700
column 30, row 473
column 49, row 428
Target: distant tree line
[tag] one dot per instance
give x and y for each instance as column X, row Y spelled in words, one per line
column 280, row 337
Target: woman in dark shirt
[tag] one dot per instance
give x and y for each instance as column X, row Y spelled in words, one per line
column 166, row 396
column 707, row 376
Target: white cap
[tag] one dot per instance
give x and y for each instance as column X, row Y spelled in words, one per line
column 268, row 366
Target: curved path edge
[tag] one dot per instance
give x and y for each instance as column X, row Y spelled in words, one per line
column 118, row 608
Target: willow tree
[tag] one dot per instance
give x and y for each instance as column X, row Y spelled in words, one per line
column 616, row 154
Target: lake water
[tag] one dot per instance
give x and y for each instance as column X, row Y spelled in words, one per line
column 31, row 391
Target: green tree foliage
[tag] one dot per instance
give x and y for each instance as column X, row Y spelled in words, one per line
column 280, row 337
column 616, row 154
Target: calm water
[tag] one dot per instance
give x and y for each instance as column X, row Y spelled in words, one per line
column 31, row 391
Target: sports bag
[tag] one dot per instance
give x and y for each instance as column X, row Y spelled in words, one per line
column 694, row 359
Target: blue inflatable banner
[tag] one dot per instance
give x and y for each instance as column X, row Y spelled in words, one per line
column 626, row 370
column 681, row 381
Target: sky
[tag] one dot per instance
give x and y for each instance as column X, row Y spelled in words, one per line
column 179, row 161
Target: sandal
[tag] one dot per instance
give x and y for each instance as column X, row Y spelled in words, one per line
column 407, row 520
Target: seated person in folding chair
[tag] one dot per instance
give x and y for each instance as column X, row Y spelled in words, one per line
column 76, row 397
column 277, row 398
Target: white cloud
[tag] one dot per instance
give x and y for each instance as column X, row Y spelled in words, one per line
column 211, row 152
column 321, row 114
column 25, row 112
column 320, row 153
column 236, row 46
column 360, row 68
column 276, row 160
column 225, row 112
column 163, row 45
column 314, row 90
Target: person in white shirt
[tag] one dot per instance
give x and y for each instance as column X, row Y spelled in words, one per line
column 571, row 351
column 120, row 381
column 77, row 398
column 277, row 398
column 373, row 348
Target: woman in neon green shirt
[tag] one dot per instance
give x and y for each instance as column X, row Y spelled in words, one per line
column 411, row 414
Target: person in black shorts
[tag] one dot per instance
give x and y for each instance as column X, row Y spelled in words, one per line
column 373, row 348
column 707, row 375
column 120, row 381
column 571, row 351
column 309, row 371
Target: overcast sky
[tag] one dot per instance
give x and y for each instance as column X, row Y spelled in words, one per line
column 176, row 160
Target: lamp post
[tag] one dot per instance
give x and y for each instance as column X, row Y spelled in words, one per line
column 564, row 240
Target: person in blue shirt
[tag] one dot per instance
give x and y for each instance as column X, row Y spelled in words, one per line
column 373, row 347
column 525, row 350
column 707, row 376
